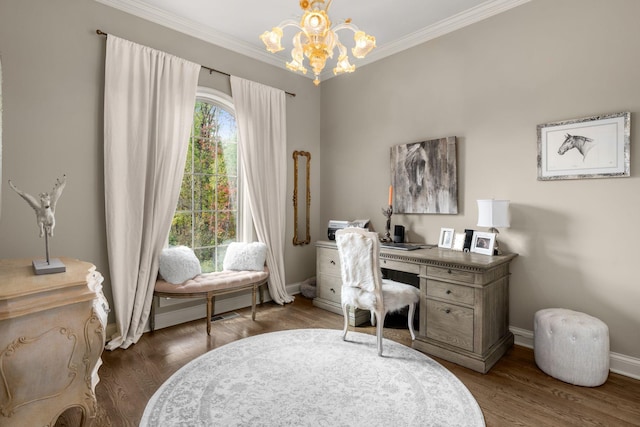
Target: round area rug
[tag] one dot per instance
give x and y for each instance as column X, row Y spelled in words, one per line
column 311, row 377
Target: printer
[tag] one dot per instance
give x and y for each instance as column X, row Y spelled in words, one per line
column 335, row 225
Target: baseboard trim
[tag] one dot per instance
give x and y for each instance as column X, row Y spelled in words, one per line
column 618, row 363
column 523, row 337
column 625, row 365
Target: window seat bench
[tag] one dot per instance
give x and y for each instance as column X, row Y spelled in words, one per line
column 210, row 285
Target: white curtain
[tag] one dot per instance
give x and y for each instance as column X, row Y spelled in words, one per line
column 148, row 112
column 262, row 148
column 0, row 135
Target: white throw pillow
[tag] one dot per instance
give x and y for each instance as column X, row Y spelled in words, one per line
column 178, row 264
column 245, row 256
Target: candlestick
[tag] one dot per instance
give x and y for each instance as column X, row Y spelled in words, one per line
column 387, row 212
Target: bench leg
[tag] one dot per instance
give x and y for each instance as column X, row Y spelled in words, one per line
column 152, row 316
column 253, row 302
column 210, row 304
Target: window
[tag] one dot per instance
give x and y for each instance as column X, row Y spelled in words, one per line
column 206, row 217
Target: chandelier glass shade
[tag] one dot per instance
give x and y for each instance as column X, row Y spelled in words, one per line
column 316, row 40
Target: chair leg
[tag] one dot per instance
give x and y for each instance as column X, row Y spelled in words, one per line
column 345, row 313
column 373, row 318
column 379, row 333
column 412, row 310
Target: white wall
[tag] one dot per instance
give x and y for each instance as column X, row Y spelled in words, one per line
column 490, row 84
column 53, row 70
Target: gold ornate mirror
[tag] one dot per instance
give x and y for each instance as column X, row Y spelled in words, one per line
column 301, row 168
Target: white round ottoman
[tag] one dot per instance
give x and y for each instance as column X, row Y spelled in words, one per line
column 571, row 346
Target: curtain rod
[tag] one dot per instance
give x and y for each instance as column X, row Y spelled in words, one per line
column 211, row 70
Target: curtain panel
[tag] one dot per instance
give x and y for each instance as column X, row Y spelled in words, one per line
column 0, row 135
column 262, row 148
column 148, row 112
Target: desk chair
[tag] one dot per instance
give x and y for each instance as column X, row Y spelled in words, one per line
column 362, row 284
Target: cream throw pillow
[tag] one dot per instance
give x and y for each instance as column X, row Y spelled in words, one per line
column 177, row 264
column 245, row 256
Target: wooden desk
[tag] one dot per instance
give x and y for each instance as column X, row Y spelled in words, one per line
column 464, row 300
column 52, row 332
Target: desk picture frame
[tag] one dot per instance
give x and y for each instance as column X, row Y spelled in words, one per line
column 458, row 241
column 446, row 238
column 483, row 243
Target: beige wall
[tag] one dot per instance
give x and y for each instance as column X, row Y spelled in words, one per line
column 490, row 84
column 53, row 69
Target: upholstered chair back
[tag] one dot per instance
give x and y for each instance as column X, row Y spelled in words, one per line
column 360, row 266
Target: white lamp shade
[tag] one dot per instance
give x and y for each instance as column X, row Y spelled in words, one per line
column 493, row 213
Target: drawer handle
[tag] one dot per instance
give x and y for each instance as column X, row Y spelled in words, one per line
column 448, row 310
column 333, row 290
column 449, row 292
column 449, row 271
column 332, row 262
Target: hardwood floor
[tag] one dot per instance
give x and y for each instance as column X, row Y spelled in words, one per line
column 514, row 393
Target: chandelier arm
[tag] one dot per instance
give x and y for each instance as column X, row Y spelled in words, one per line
column 335, row 42
column 289, row 23
column 345, row 26
column 342, row 49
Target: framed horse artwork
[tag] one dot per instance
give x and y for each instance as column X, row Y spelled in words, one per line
column 424, row 177
column 590, row 147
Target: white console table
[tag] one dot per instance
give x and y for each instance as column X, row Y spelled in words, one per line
column 52, row 333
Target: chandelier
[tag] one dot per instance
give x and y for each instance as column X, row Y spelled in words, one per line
column 317, row 40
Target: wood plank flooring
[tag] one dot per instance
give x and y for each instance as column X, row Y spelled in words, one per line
column 514, row 393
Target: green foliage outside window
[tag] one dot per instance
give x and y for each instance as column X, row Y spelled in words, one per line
column 206, row 215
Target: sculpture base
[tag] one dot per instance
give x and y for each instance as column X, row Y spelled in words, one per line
column 41, row 266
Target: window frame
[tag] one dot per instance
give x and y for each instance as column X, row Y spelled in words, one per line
column 224, row 101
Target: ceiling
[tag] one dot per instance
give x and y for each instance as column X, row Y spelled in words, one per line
column 236, row 24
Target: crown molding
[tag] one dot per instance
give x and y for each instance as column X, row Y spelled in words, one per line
column 449, row 25
column 446, row 26
column 150, row 13
column 191, row 28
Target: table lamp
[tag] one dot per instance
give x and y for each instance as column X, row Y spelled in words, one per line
column 493, row 214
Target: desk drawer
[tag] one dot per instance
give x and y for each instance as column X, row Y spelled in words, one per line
column 451, row 274
column 329, row 288
column 399, row 266
column 328, row 262
column 450, row 292
column 450, row 323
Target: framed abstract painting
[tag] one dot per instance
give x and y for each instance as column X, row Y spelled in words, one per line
column 424, row 177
